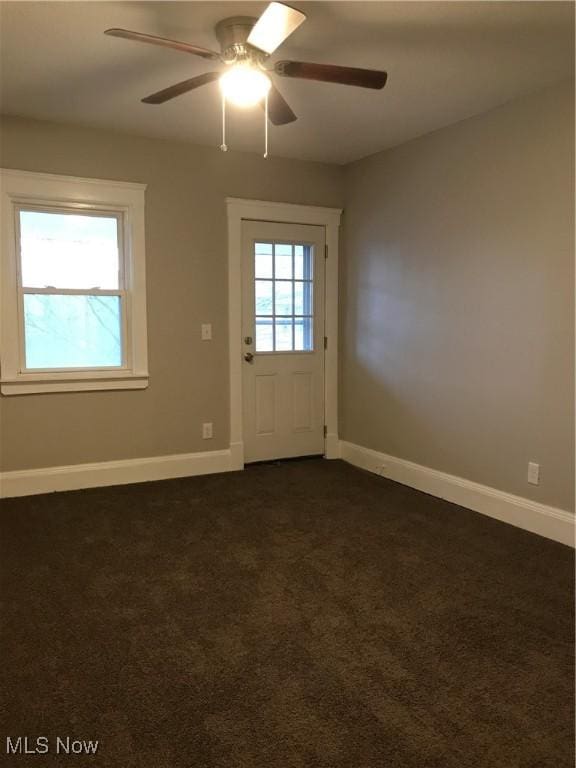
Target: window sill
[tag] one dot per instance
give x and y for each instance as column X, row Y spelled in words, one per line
column 32, row 384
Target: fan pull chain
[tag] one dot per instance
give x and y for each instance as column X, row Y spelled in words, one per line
column 266, row 125
column 224, row 146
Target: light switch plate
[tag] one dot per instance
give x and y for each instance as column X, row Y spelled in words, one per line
column 533, row 473
column 206, row 331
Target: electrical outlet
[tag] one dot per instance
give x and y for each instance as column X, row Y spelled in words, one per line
column 207, row 430
column 206, row 331
column 533, row 473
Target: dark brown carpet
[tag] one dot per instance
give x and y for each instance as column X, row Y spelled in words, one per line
column 298, row 615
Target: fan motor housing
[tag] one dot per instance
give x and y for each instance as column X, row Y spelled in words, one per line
column 232, row 34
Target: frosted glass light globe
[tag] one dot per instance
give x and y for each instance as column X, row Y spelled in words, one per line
column 244, row 86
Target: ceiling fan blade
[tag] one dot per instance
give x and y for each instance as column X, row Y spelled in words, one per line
column 141, row 37
column 276, row 24
column 330, row 73
column 279, row 112
column 177, row 90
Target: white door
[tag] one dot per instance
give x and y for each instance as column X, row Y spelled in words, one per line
column 282, row 340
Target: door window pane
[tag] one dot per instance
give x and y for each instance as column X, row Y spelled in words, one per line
column 68, row 250
column 264, row 334
column 263, row 248
column 64, row 331
column 263, row 264
column 303, row 334
column 283, row 333
column 283, row 291
column 284, row 320
column 283, row 262
column 264, row 304
column 302, row 298
column 303, row 262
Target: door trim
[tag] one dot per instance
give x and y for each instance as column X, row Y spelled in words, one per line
column 239, row 209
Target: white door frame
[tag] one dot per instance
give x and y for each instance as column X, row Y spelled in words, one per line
column 238, row 210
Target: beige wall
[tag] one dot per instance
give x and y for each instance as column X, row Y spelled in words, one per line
column 457, row 296
column 458, row 347
column 187, row 285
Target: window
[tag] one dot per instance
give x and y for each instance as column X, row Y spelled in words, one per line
column 283, row 292
column 72, row 295
column 73, row 284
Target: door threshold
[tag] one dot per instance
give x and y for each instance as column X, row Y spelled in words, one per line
column 279, row 462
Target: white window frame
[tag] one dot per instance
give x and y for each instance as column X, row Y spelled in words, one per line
column 26, row 190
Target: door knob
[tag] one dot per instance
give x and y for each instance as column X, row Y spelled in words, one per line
column 249, row 357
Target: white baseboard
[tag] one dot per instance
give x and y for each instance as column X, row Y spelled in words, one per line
column 68, row 478
column 553, row 523
column 332, row 446
column 236, row 456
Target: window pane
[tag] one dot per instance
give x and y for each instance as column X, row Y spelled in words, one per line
column 283, row 297
column 303, row 334
column 264, row 297
column 283, row 266
column 72, row 331
column 263, row 264
column 263, row 248
column 264, row 330
column 303, row 262
column 65, row 250
column 283, row 330
column 302, row 298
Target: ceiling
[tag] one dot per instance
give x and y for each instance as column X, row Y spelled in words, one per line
column 445, row 60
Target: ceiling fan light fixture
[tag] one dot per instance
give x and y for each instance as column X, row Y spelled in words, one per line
column 245, row 44
column 244, row 85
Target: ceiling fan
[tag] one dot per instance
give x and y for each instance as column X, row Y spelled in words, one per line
column 246, row 43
